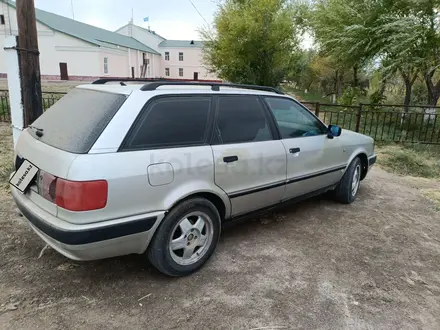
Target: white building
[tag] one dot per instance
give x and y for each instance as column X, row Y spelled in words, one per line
column 181, row 59
column 71, row 50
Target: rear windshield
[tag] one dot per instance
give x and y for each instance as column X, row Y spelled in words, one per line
column 75, row 122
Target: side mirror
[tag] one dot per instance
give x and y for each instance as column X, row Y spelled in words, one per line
column 334, row 130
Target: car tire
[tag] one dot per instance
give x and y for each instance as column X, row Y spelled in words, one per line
column 348, row 187
column 193, row 224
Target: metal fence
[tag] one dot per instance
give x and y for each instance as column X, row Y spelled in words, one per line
column 48, row 99
column 384, row 122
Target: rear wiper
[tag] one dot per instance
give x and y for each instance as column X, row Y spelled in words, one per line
column 39, row 131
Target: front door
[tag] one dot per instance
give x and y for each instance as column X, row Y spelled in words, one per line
column 314, row 161
column 250, row 166
column 63, row 71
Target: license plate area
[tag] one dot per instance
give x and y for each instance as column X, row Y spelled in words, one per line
column 24, row 176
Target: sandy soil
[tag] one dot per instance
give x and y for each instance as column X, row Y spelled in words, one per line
column 315, row 265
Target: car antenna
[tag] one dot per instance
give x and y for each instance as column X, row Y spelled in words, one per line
column 123, row 83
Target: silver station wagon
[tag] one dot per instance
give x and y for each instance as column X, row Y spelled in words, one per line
column 158, row 168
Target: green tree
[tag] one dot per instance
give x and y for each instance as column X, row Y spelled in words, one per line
column 252, row 41
column 389, row 32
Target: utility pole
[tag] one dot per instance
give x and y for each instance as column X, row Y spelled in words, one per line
column 73, row 12
column 29, row 61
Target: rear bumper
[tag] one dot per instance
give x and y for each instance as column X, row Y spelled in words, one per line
column 90, row 241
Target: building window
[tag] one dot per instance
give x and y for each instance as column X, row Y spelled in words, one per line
column 105, row 64
column 180, row 56
column 167, row 56
column 2, row 19
column 180, row 72
column 167, row 72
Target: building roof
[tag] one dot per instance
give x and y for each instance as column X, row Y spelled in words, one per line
column 181, row 43
column 143, row 29
column 86, row 32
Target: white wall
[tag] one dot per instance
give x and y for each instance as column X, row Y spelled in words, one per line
column 55, row 47
column 142, row 35
column 192, row 62
column 117, row 63
column 83, row 58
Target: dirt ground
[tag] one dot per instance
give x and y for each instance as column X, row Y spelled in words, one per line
column 374, row 264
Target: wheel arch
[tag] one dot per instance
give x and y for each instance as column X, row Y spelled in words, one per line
column 362, row 155
column 222, row 203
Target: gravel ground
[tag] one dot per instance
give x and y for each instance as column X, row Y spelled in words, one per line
column 315, row 265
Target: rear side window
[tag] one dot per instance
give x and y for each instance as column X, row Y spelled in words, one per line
column 75, row 122
column 241, row 119
column 172, row 122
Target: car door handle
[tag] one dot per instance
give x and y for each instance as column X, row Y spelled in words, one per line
column 294, row 150
column 230, row 159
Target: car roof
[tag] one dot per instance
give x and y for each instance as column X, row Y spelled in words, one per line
column 117, row 88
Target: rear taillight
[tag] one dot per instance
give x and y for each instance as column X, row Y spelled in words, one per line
column 81, row 195
column 73, row 195
column 46, row 184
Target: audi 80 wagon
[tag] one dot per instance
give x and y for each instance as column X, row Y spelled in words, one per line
column 158, row 168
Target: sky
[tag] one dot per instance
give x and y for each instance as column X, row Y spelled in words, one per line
column 172, row 19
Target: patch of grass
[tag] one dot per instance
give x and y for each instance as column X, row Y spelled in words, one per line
column 6, row 155
column 5, row 171
column 433, row 195
column 413, row 160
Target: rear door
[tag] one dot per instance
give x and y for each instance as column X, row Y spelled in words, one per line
column 314, row 161
column 250, row 166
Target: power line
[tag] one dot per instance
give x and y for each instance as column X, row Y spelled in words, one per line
column 198, row 12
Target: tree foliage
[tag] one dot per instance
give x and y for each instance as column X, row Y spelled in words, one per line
column 402, row 36
column 253, row 41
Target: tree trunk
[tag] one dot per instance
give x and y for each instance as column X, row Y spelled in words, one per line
column 335, row 86
column 408, row 91
column 433, row 91
column 355, row 76
column 382, row 87
column 339, row 84
column 433, row 96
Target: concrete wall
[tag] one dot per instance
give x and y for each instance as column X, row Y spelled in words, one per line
column 192, row 62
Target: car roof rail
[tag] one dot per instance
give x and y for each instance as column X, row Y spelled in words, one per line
column 153, row 85
column 103, row 81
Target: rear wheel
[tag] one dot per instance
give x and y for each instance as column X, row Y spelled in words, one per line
column 348, row 187
column 186, row 238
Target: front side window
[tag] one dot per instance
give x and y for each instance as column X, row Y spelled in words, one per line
column 241, row 119
column 105, row 64
column 293, row 120
column 180, row 72
column 167, row 56
column 180, row 56
column 171, row 122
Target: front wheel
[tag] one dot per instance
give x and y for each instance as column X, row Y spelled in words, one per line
column 348, row 187
column 186, row 238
